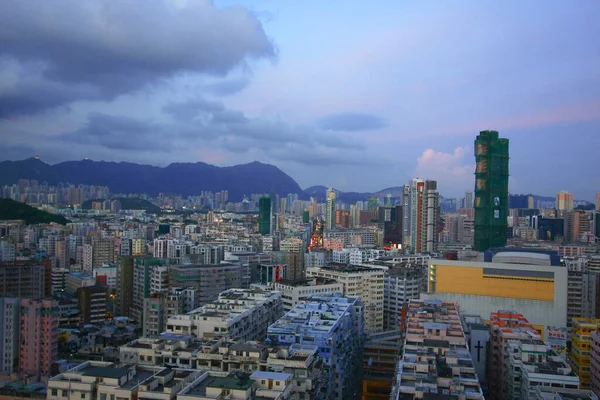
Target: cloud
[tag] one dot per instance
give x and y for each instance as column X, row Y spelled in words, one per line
column 198, row 123
column 99, row 49
column 452, row 171
column 226, row 87
column 260, row 132
column 351, row 122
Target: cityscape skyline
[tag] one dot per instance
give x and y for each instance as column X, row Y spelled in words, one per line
column 384, row 107
column 459, row 193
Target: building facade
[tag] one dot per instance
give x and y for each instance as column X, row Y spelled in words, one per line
column 539, row 292
column 38, row 336
column 10, row 323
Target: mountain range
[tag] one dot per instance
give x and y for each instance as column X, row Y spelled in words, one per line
column 186, row 179
column 179, row 178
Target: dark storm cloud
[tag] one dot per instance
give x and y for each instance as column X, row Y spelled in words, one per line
column 351, row 122
column 99, row 49
column 117, row 133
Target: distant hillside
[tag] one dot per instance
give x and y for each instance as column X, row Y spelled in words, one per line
column 128, row 203
column 179, row 178
column 10, row 209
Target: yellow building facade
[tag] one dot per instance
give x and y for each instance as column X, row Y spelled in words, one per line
column 581, row 341
column 538, row 292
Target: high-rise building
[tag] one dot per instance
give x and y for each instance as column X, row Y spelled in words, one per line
column 10, row 309
column 595, row 363
column 491, row 191
column 564, row 201
column 38, row 336
column 391, row 220
column 581, row 355
column 362, row 281
column 264, row 216
column 577, row 222
column 435, row 358
column 402, row 283
column 91, row 301
column 334, row 324
column 330, row 209
column 424, row 212
column 124, row 287
column 154, row 315
column 468, row 199
column 25, row 279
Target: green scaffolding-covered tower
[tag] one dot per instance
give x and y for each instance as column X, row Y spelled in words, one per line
column 491, row 191
column 264, row 215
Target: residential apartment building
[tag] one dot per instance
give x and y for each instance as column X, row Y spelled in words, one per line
column 209, row 280
column 220, row 355
column 504, row 325
column 10, row 323
column 595, row 363
column 333, row 323
column 531, row 365
column 362, row 281
column 435, row 360
column 154, row 315
column 91, row 301
column 240, row 314
column 106, row 380
column 402, row 283
column 379, row 358
column 38, row 336
column 293, row 261
column 292, row 292
column 581, row 353
column 124, row 290
column 142, row 283
column 582, row 290
column 349, row 237
column 25, row 279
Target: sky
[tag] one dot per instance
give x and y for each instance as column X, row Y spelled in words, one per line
column 358, row 95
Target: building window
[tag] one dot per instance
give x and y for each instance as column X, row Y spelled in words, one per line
column 83, row 395
column 64, row 393
column 54, row 392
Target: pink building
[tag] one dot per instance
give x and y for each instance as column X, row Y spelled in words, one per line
column 39, row 336
column 595, row 363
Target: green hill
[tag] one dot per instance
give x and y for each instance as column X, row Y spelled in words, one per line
column 10, row 209
column 128, row 203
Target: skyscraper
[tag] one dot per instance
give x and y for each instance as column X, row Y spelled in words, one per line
column 38, row 336
column 330, row 209
column 264, row 216
column 491, row 190
column 564, row 201
column 424, row 211
column 468, row 199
